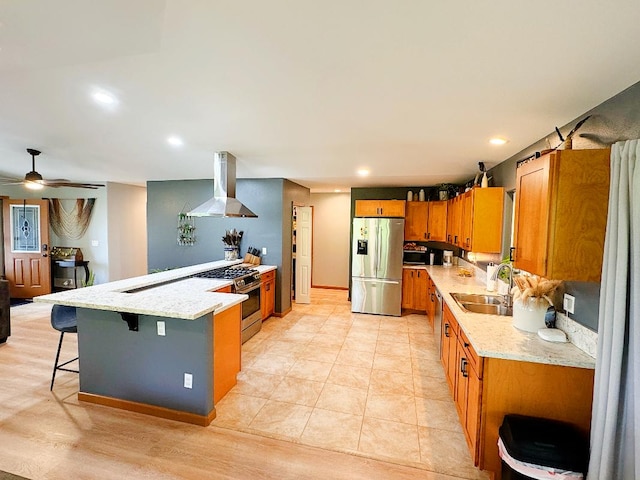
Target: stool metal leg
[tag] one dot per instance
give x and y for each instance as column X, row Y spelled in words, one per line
column 57, row 366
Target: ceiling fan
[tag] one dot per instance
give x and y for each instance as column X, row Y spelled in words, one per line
column 34, row 181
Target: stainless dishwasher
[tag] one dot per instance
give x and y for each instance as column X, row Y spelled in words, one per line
column 437, row 321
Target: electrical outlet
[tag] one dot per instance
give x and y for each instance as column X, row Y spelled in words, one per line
column 161, row 330
column 569, row 303
column 264, row 250
column 95, row 243
column 188, row 380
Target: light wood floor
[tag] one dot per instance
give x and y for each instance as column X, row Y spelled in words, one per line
column 50, row 435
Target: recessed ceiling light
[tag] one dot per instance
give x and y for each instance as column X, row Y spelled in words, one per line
column 104, row 98
column 497, row 141
column 363, row 172
column 175, row 141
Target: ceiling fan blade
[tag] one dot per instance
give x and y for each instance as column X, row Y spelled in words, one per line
column 47, row 181
column 73, row 185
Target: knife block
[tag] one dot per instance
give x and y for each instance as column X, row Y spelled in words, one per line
column 251, row 259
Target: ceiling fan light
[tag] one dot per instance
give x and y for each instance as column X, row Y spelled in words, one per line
column 33, row 185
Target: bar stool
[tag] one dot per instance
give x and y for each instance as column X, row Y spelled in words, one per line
column 63, row 319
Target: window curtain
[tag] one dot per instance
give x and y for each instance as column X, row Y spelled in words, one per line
column 615, row 422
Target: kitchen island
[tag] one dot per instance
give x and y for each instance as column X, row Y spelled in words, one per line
column 162, row 344
column 494, row 369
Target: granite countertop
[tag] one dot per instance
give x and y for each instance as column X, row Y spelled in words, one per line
column 494, row 336
column 169, row 293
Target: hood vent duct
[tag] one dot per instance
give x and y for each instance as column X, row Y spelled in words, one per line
column 223, row 203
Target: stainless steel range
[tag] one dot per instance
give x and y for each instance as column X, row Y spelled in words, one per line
column 245, row 281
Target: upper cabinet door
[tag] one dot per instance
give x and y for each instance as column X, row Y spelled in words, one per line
column 437, row 224
column 561, row 214
column 380, row 208
column 415, row 225
column 532, row 215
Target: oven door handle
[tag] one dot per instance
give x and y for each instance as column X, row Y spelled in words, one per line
column 249, row 289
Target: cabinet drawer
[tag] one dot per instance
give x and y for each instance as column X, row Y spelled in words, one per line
column 268, row 276
column 470, row 353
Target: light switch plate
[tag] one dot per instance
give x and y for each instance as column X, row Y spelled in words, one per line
column 161, row 330
column 188, row 380
column 569, row 303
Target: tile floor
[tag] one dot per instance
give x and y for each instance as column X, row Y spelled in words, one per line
column 368, row 385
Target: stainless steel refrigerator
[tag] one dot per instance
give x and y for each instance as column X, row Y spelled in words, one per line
column 376, row 265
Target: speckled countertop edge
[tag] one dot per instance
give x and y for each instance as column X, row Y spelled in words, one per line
column 494, row 336
column 175, row 294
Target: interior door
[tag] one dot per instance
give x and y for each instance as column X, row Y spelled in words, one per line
column 26, row 247
column 303, row 254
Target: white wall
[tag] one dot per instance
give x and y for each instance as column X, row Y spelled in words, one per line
column 127, row 236
column 331, row 232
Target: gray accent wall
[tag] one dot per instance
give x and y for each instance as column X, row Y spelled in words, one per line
column 143, row 366
column 270, row 199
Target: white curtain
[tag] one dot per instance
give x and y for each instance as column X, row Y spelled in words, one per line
column 615, row 422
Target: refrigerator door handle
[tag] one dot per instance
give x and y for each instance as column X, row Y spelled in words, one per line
column 376, row 280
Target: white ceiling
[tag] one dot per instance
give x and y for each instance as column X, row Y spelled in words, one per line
column 307, row 90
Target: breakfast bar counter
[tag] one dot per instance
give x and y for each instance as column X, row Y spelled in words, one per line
column 164, row 344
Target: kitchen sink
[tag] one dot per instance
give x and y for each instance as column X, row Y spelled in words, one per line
column 478, row 303
column 478, row 298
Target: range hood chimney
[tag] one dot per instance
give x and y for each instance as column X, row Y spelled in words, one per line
column 223, row 203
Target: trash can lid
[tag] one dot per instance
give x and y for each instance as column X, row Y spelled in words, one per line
column 545, row 442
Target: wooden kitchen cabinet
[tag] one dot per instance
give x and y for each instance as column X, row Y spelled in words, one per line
column 380, row 208
column 454, row 217
column 226, row 350
column 484, row 390
column 268, row 294
column 468, row 392
column 448, row 352
column 415, row 223
column 437, row 221
column 414, row 289
column 431, row 302
column 561, row 214
column 481, row 220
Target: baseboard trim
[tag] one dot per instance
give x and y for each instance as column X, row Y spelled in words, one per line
column 330, row 287
column 282, row 314
column 153, row 410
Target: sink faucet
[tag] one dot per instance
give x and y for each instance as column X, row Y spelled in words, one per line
column 508, row 298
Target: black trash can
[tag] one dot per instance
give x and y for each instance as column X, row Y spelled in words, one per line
column 544, row 445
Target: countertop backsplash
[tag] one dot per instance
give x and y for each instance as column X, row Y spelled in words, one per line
column 583, row 338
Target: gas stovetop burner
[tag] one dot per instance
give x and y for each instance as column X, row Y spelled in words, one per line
column 241, row 276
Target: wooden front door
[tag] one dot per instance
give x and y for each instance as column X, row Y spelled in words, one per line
column 26, row 247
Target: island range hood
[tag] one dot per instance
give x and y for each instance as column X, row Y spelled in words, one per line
column 223, row 203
